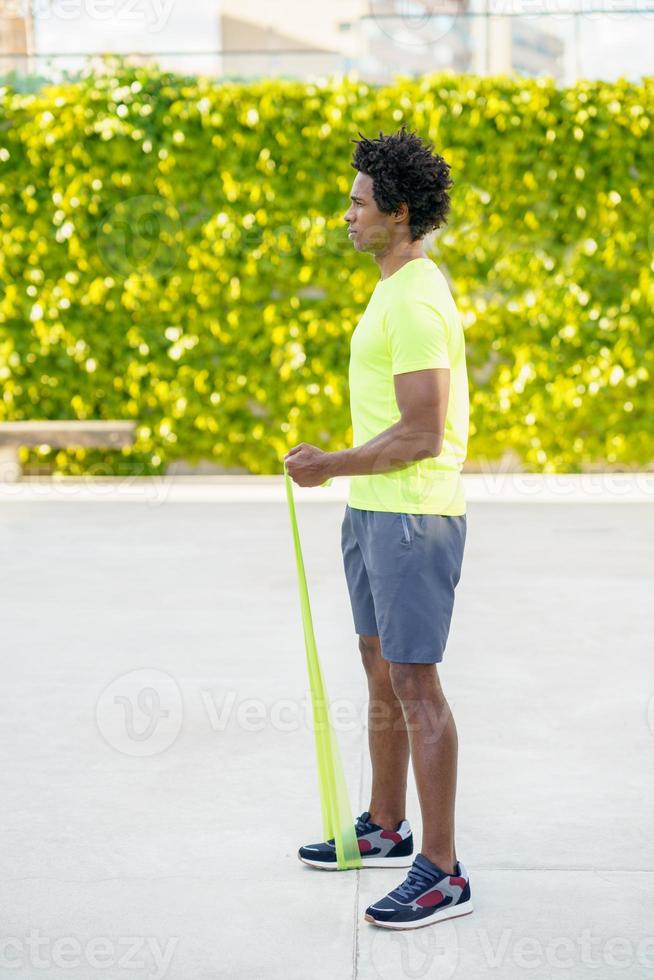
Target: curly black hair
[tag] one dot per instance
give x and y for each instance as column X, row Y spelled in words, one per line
column 404, row 169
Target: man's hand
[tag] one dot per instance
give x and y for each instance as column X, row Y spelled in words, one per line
column 307, row 465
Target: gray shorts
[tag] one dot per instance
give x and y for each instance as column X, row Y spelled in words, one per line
column 401, row 572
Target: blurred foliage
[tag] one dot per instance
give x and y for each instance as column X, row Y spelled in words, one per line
column 174, row 251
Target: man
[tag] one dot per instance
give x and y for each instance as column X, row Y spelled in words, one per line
column 404, row 529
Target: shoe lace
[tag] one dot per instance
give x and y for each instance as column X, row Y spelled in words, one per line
column 363, row 826
column 416, row 881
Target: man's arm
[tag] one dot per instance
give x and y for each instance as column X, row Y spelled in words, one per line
column 422, row 398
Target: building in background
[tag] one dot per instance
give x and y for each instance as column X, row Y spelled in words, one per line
column 377, row 38
column 410, row 39
column 517, row 45
column 536, row 52
column 286, row 37
column 16, row 37
column 380, row 39
column 181, row 36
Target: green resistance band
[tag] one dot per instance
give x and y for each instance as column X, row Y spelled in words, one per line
column 336, row 811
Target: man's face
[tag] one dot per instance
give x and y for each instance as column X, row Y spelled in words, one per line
column 370, row 229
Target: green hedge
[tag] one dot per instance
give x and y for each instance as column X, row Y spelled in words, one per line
column 173, row 251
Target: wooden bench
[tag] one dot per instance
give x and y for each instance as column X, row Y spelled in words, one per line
column 59, row 434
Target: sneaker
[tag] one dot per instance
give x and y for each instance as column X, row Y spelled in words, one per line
column 427, row 895
column 378, row 848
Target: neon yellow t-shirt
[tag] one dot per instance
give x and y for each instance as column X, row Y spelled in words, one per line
column 411, row 323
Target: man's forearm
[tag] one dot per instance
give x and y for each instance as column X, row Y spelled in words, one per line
column 393, row 449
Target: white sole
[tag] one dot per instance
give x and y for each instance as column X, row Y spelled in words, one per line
column 451, row 912
column 395, row 862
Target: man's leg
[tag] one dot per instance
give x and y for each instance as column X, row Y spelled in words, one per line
column 433, row 740
column 387, row 739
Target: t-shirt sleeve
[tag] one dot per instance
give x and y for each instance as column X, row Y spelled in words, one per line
column 417, row 336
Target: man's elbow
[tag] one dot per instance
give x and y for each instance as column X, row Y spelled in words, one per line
column 431, row 445
column 424, row 441
column 438, row 447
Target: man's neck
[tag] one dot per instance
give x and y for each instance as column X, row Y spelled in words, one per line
column 391, row 261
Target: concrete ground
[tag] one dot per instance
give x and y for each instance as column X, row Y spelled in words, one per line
column 158, row 762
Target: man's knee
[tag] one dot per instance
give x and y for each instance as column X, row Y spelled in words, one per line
column 414, row 682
